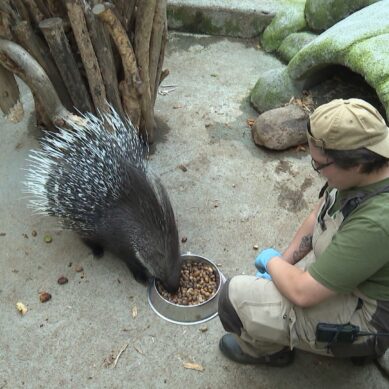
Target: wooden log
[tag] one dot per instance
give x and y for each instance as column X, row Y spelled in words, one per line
column 131, row 105
column 56, row 8
column 9, row 96
column 18, row 61
column 126, row 12
column 143, row 29
column 40, row 51
column 53, row 31
column 164, row 74
column 9, row 12
column 35, row 12
column 5, row 26
column 42, row 5
column 102, row 46
column 161, row 74
column 22, row 10
column 119, row 35
column 88, row 56
column 157, row 47
column 131, row 85
column 42, row 118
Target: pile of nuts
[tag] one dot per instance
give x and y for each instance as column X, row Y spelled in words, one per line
column 198, row 283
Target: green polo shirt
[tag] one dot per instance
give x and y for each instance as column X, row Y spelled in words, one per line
column 358, row 256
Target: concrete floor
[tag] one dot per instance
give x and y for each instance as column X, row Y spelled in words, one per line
column 233, row 196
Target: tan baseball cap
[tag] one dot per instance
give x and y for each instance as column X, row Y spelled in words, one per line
column 348, row 125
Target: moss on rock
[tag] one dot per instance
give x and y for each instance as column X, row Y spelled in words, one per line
column 293, row 44
column 371, row 59
column 287, row 21
column 193, row 21
column 273, row 89
column 322, row 14
column 358, row 42
column 332, row 46
column 221, row 21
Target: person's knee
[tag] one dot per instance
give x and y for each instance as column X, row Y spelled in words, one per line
column 227, row 314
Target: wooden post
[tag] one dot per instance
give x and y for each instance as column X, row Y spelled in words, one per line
column 36, row 13
column 5, row 29
column 157, row 45
column 143, row 28
column 40, row 51
column 56, row 8
column 42, row 5
column 125, row 12
column 101, row 53
column 53, row 31
column 102, row 46
column 9, row 95
column 18, row 61
column 21, row 10
column 131, row 85
column 88, row 56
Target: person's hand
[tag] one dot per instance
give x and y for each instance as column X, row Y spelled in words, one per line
column 263, row 258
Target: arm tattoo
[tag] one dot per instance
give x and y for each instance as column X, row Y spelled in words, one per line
column 304, row 249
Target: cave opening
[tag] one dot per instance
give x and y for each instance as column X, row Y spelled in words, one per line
column 342, row 83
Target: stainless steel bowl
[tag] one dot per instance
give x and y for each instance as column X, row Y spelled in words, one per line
column 186, row 314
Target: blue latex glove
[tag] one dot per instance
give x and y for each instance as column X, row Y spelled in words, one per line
column 263, row 258
column 265, row 275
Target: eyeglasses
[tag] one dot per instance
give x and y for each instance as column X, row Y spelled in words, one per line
column 320, row 166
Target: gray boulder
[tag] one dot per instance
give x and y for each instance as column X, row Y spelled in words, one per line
column 292, row 44
column 274, row 88
column 281, row 128
column 289, row 19
column 322, row 14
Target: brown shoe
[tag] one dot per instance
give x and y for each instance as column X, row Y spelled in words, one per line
column 231, row 349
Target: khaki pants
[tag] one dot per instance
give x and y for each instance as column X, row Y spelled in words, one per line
column 270, row 321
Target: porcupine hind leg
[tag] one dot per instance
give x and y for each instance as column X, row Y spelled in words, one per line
column 97, row 250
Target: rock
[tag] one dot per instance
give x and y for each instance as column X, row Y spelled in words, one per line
column 281, row 128
column 358, row 42
column 293, row 44
column 287, row 21
column 322, row 14
column 273, row 89
column 217, row 18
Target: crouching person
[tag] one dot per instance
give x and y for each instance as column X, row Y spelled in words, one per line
column 269, row 315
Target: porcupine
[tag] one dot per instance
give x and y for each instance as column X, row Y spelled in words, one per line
column 98, row 182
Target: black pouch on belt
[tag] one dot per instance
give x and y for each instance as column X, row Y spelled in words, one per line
column 336, row 333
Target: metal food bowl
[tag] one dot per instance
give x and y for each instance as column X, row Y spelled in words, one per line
column 187, row 314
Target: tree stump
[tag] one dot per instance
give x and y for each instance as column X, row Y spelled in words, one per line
column 80, row 56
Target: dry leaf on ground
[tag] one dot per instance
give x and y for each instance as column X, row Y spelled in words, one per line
column 250, row 122
column 193, row 366
column 21, row 308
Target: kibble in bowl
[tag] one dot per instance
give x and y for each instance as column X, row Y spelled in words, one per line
column 197, row 296
column 198, row 283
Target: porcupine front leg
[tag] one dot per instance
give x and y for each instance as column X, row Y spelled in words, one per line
column 97, row 250
column 138, row 271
